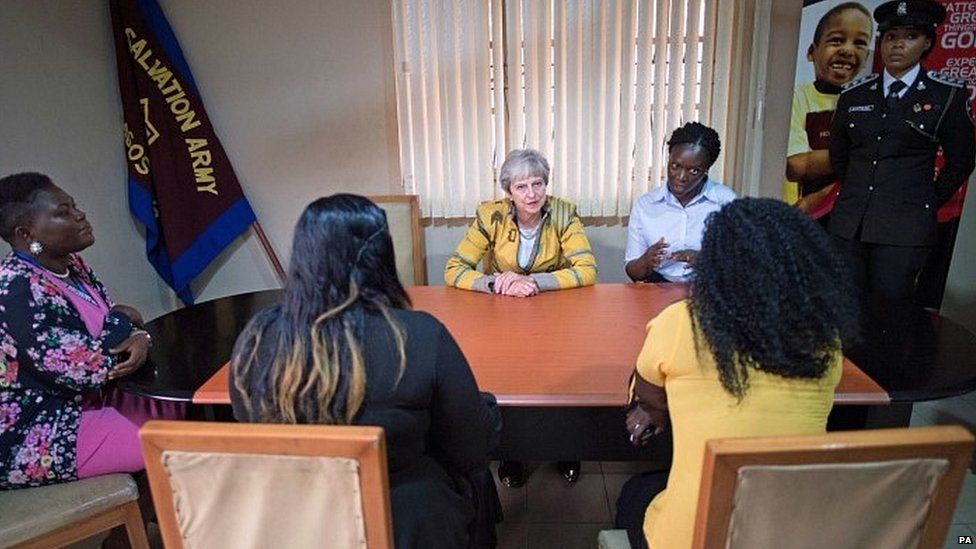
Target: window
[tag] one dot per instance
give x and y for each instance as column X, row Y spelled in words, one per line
column 597, row 86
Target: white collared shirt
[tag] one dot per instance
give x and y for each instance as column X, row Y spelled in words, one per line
column 908, row 78
column 658, row 214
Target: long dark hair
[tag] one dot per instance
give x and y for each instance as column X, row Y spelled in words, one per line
column 342, row 267
column 770, row 293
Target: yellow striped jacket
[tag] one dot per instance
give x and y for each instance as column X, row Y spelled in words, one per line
column 561, row 257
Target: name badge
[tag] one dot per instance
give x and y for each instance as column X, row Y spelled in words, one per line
column 861, row 108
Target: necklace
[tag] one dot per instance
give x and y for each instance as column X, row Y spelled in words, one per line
column 34, row 262
column 74, row 286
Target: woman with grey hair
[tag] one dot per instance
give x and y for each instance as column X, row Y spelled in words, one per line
column 536, row 243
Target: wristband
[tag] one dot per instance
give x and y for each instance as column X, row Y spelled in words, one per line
column 142, row 332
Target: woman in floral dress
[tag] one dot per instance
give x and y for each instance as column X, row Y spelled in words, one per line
column 61, row 341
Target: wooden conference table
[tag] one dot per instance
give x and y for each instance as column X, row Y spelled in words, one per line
column 558, row 362
column 573, row 348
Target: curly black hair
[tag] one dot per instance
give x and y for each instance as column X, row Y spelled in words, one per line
column 17, row 193
column 694, row 133
column 770, row 292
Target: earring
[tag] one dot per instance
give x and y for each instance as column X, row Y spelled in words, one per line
column 36, row 248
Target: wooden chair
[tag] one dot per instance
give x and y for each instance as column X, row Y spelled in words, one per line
column 882, row 488
column 61, row 514
column 403, row 217
column 253, row 485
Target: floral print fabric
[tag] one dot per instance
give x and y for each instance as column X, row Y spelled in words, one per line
column 48, row 361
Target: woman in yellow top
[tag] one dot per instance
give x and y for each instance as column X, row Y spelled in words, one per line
column 755, row 351
column 536, row 241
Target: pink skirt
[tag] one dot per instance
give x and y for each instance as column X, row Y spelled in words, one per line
column 108, row 436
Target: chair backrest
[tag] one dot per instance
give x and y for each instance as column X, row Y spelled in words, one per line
column 879, row 488
column 257, row 485
column 403, row 217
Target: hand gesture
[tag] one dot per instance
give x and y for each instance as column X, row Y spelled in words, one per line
column 657, row 253
column 685, row 256
column 133, row 351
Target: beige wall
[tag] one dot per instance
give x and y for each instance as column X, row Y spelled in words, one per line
column 784, row 29
column 300, row 92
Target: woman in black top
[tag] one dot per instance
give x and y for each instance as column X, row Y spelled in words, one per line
column 343, row 348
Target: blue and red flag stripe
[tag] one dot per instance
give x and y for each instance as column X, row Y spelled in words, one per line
column 181, row 184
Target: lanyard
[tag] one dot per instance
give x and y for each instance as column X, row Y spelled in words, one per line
column 70, row 282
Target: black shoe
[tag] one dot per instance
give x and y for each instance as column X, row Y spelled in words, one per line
column 511, row 473
column 570, row 470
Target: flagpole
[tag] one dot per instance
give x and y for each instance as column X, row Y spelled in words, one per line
column 269, row 251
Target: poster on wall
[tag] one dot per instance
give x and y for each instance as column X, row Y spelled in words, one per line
column 838, row 44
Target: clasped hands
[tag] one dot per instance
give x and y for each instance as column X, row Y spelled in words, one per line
column 134, row 350
column 513, row 284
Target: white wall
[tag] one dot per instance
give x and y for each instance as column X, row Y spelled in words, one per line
column 301, row 93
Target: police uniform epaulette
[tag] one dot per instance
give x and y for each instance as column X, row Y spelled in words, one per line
column 855, row 83
column 946, row 79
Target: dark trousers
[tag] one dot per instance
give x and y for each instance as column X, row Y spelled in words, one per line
column 932, row 279
column 632, row 503
column 884, row 275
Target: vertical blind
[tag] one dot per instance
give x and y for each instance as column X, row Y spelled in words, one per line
column 595, row 85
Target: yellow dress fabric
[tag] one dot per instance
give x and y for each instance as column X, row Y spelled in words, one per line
column 562, row 257
column 702, row 410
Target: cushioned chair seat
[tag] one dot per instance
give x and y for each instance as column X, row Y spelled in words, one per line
column 32, row 512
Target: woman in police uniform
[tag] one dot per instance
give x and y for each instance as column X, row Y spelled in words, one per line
column 884, row 138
